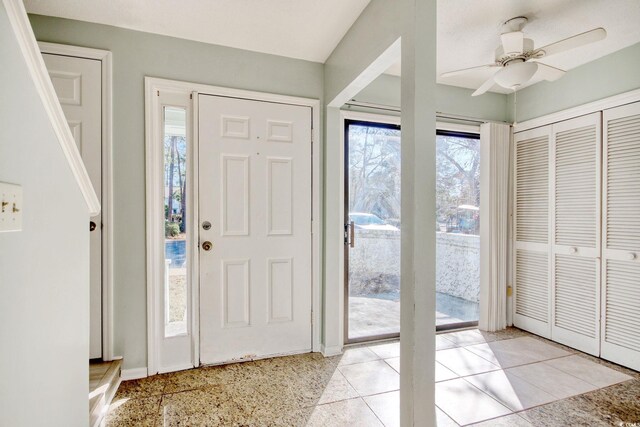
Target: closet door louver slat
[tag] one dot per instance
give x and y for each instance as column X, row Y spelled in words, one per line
column 575, row 207
column 620, row 341
column 575, row 295
column 532, row 190
column 531, row 214
column 533, row 299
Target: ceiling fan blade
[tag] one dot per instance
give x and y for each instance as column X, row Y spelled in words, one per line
column 512, row 43
column 464, row 70
column 485, row 87
column 549, row 73
column 573, row 42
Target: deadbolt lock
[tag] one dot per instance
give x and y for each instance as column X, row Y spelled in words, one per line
column 207, row 246
column 206, row 225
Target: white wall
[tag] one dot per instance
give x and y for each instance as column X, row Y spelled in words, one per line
column 44, row 276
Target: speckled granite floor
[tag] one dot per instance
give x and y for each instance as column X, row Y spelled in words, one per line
column 509, row 378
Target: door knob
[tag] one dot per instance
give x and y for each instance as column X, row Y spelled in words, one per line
column 92, row 226
column 207, row 245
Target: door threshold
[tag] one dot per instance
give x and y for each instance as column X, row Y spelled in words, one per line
column 252, row 359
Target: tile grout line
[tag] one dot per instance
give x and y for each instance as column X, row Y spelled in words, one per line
column 374, row 412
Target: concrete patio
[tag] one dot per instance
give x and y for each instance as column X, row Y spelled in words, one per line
column 374, row 316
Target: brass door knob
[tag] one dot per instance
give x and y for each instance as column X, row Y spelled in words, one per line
column 207, row 246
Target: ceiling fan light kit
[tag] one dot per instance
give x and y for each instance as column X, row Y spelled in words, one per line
column 515, row 74
column 517, row 60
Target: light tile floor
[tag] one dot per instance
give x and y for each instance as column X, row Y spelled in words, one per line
column 509, row 378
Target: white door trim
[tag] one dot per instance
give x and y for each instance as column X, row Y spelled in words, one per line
column 105, row 58
column 152, row 85
column 23, row 32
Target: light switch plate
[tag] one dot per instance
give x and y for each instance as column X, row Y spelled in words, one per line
column 10, row 207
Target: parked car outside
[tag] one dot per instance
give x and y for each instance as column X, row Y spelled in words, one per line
column 369, row 221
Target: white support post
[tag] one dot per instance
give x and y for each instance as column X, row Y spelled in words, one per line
column 417, row 339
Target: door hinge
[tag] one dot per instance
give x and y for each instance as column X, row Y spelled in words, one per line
column 158, row 92
column 190, row 96
column 312, row 317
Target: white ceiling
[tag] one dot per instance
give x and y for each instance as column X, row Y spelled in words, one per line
column 303, row 29
column 468, row 30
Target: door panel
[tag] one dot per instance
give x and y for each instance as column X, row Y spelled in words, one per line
column 532, row 271
column 78, row 84
column 255, row 190
column 620, row 338
column 575, row 179
column 372, row 230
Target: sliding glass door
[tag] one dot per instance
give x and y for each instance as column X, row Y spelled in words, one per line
column 372, row 226
column 457, row 229
column 372, row 230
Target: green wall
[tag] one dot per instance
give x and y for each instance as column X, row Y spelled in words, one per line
column 136, row 55
column 610, row 75
column 385, row 90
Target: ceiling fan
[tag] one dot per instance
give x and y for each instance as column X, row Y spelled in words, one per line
column 517, row 60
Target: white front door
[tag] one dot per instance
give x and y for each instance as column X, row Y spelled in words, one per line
column 255, row 212
column 78, row 84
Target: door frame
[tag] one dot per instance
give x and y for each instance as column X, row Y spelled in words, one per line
column 105, row 57
column 152, row 86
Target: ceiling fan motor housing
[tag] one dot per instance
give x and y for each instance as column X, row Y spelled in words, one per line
column 504, row 59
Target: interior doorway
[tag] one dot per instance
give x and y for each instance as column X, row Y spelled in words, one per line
column 81, row 78
column 372, row 230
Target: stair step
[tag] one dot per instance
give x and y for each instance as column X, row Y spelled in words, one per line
column 104, row 380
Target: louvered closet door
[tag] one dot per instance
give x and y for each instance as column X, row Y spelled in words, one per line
column 575, row 269
column 531, row 255
column 620, row 340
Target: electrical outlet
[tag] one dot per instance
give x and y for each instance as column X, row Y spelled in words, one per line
column 10, row 207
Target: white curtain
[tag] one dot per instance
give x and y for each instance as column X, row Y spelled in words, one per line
column 494, row 192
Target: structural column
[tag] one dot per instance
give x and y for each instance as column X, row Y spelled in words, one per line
column 417, row 346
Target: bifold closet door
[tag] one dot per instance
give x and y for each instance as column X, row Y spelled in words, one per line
column 575, row 229
column 531, row 216
column 620, row 340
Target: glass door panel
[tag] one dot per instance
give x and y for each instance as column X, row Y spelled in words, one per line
column 372, row 230
column 457, row 229
column 175, row 215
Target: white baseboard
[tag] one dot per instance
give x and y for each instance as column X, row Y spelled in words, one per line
column 331, row 350
column 176, row 368
column 133, row 374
